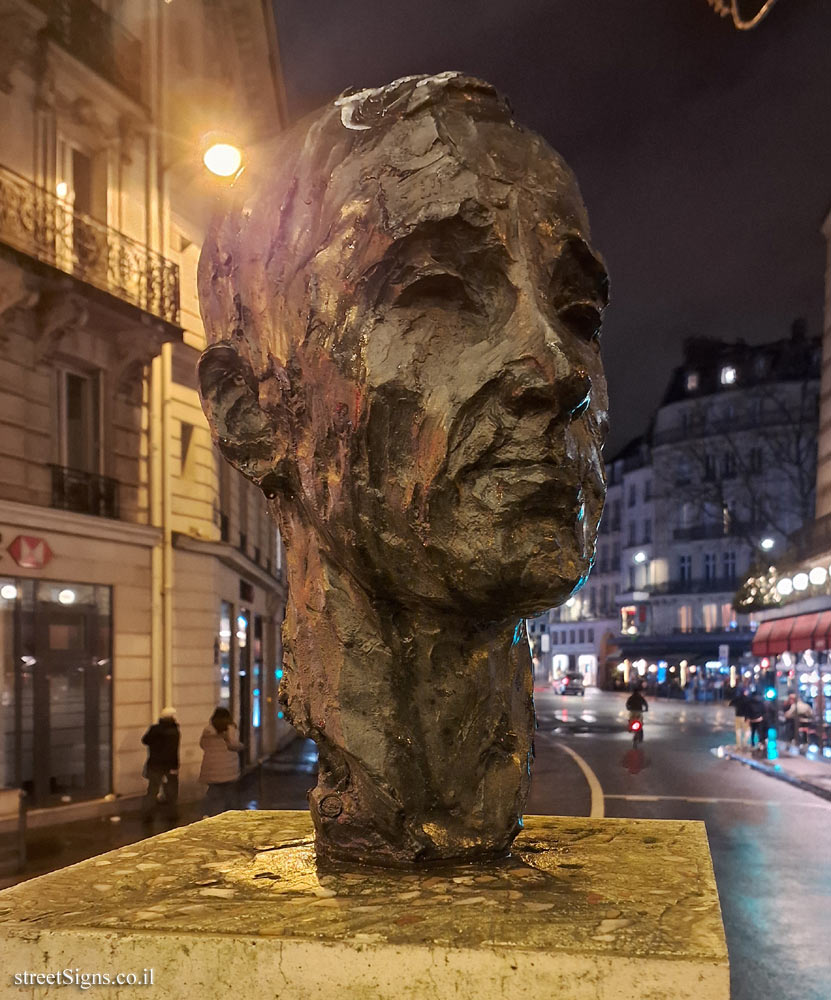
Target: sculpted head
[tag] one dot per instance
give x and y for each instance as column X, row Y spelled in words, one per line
column 404, row 320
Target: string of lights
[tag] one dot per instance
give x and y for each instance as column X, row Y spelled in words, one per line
column 731, row 9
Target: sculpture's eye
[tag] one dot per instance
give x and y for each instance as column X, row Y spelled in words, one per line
column 579, row 289
column 438, row 291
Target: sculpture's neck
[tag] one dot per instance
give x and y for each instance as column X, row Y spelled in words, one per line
column 423, row 718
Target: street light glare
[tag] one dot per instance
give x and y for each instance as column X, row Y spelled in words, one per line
column 222, row 159
column 767, row 544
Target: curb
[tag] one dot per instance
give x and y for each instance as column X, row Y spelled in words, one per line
column 781, row 774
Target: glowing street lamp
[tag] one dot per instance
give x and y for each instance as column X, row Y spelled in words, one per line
column 767, row 544
column 223, row 159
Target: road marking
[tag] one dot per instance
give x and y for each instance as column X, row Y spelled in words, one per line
column 598, row 810
column 711, row 801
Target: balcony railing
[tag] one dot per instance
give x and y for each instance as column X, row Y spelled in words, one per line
column 37, row 223
column 720, row 585
column 84, row 492
column 699, row 532
column 742, row 630
column 87, row 32
column 715, row 428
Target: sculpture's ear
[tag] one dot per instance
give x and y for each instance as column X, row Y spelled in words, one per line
column 254, row 441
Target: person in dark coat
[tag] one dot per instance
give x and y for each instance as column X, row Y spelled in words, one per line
column 739, row 703
column 162, row 768
column 756, row 715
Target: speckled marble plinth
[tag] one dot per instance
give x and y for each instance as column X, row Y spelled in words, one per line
column 236, row 905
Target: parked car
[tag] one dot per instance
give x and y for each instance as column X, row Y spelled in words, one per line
column 570, row 684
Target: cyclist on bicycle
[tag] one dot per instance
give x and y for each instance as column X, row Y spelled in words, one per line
column 636, row 705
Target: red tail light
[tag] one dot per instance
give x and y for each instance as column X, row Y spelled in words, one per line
column 634, row 726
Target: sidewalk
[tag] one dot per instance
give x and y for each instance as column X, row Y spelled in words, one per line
column 281, row 782
column 810, row 772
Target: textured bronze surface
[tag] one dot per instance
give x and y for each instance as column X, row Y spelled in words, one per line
column 403, row 322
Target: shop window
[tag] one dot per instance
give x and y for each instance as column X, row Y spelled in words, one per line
column 224, row 655
column 245, row 664
column 56, row 705
column 257, row 687
column 685, row 618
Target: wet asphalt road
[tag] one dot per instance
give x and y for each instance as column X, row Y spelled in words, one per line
column 771, row 843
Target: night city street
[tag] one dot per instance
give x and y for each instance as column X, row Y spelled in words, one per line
column 771, row 843
column 392, row 395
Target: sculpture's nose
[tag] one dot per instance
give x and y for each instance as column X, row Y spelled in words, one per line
column 556, row 378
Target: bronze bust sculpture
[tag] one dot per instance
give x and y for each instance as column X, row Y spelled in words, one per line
column 403, row 325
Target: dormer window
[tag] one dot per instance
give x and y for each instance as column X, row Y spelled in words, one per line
column 692, row 381
column 728, row 375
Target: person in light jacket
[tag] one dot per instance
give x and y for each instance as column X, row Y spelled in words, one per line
column 220, row 762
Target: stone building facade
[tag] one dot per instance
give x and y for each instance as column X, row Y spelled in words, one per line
column 136, row 569
column 721, row 480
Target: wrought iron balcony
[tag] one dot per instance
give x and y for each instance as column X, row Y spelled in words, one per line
column 719, row 585
column 92, row 36
column 39, row 224
column 84, row 492
column 699, row 532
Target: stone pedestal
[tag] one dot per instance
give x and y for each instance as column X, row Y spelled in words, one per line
column 236, row 905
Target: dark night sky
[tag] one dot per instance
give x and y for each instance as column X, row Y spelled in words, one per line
column 703, row 153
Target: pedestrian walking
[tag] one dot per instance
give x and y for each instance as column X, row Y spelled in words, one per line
column 162, row 767
column 756, row 717
column 220, row 762
column 739, row 704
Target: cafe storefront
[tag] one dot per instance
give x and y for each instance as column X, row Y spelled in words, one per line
column 56, row 701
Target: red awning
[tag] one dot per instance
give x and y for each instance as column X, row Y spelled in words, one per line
column 794, row 634
column 759, row 646
column 780, row 633
column 822, row 633
column 771, row 637
column 802, row 633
